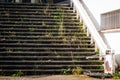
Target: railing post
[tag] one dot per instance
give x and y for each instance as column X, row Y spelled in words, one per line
column 88, row 34
column 113, row 61
column 77, row 15
column 81, row 19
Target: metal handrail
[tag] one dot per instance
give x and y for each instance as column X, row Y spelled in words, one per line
column 81, row 11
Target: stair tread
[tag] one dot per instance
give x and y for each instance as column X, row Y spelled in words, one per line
column 36, row 29
column 59, row 37
column 49, row 61
column 37, row 16
column 24, row 48
column 36, row 4
column 46, row 44
column 35, row 26
column 36, row 7
column 16, row 40
column 46, row 70
column 56, row 65
column 36, row 12
column 16, row 56
column 41, row 10
column 40, row 23
column 34, row 19
column 32, row 52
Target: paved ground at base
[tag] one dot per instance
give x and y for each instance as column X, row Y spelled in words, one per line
column 52, row 77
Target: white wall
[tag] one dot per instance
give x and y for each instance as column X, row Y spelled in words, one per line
column 97, row 7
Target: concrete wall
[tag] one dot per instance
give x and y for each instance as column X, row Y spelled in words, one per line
column 98, row 7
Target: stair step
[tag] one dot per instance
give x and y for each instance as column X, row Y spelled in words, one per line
column 56, row 55
column 49, row 61
column 46, row 53
column 40, row 23
column 42, row 33
column 40, row 20
column 45, row 48
column 40, row 45
column 10, row 53
column 46, row 71
column 41, row 37
column 23, row 16
column 57, row 7
column 40, row 29
column 33, row 10
column 37, row 26
column 33, row 22
column 62, row 58
column 37, row 16
column 36, row 4
column 51, row 66
column 37, row 41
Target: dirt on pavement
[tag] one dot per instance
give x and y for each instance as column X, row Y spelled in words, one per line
column 53, row 77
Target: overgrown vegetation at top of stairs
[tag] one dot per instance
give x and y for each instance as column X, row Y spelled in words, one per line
column 43, row 39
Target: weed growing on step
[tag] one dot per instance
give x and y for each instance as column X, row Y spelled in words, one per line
column 55, row 52
column 2, row 74
column 66, row 71
column 82, row 30
column 64, row 40
column 48, row 34
column 18, row 73
column 97, row 51
column 59, row 10
column 81, row 23
column 75, row 59
column 9, row 50
column 45, row 11
column 86, row 45
column 101, row 67
column 11, row 33
column 31, row 29
column 43, row 23
column 77, row 70
column 116, row 75
column 35, row 68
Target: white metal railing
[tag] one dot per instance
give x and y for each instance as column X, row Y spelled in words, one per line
column 110, row 20
column 81, row 12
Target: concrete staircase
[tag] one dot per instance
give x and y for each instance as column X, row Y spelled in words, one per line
column 43, row 39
